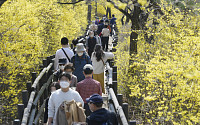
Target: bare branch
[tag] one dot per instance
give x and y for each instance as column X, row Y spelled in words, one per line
column 121, row 10
column 71, row 2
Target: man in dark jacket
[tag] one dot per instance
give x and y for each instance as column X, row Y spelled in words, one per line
column 99, row 115
column 100, row 27
column 90, row 43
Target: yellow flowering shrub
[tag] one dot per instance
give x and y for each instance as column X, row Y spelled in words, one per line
column 29, row 32
column 162, row 81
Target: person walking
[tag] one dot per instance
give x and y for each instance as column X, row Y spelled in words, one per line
column 90, row 43
column 97, row 21
column 105, row 37
column 99, row 58
column 64, row 52
column 98, row 38
column 93, row 27
column 69, row 69
column 99, row 115
column 100, row 27
column 60, row 95
column 113, row 20
column 61, row 66
column 88, row 86
column 54, row 86
column 79, row 60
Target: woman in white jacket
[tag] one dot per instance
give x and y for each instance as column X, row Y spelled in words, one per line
column 99, row 58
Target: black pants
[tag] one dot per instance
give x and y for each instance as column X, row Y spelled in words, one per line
column 87, row 109
column 104, row 41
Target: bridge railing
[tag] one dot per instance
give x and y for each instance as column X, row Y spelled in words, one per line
column 37, row 93
column 115, row 100
column 34, row 97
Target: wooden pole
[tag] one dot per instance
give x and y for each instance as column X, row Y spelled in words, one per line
column 45, row 63
column 132, row 122
column 114, row 68
column 25, row 97
column 28, row 87
column 33, row 76
column 118, row 107
column 125, row 109
column 120, row 99
column 20, row 110
column 16, row 122
column 114, row 84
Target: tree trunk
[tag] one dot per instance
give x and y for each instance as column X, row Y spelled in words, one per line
column 1, row 2
column 96, row 8
column 133, row 43
column 135, row 26
column 89, row 11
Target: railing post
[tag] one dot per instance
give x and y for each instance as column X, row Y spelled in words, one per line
column 114, row 76
column 52, row 61
column 114, row 84
column 45, row 63
column 28, row 87
column 48, row 60
column 20, row 110
column 16, row 122
column 25, row 97
column 125, row 109
column 132, row 122
column 120, row 99
column 114, row 68
column 72, row 46
column 33, row 76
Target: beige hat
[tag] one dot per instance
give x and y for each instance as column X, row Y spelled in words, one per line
column 80, row 47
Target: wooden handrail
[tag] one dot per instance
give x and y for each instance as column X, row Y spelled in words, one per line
column 31, row 101
column 118, row 107
column 38, row 78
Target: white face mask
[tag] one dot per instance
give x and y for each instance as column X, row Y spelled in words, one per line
column 61, row 67
column 80, row 54
column 92, row 35
column 52, row 91
column 69, row 73
column 64, row 84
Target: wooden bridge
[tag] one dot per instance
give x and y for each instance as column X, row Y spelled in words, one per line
column 32, row 110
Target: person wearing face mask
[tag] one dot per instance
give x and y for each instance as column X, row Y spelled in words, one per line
column 90, row 43
column 69, row 69
column 93, row 27
column 64, row 52
column 54, row 86
column 79, row 60
column 60, row 95
column 61, row 67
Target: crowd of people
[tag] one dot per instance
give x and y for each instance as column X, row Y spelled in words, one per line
column 78, row 79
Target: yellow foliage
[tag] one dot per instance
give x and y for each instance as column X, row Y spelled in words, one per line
column 29, row 32
column 162, row 80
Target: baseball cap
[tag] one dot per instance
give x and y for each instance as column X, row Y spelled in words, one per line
column 95, row 98
column 88, row 67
